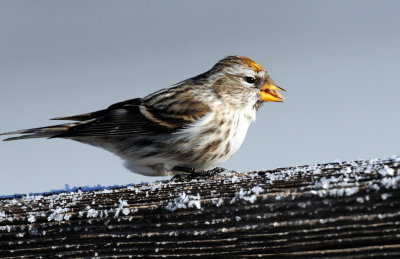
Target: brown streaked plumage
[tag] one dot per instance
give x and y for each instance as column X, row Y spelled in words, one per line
column 198, row 123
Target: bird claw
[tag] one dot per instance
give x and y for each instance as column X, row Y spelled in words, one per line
column 188, row 174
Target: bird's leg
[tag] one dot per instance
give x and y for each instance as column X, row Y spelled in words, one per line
column 185, row 173
column 192, row 173
column 183, row 169
column 217, row 170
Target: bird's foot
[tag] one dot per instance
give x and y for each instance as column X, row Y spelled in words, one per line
column 188, row 174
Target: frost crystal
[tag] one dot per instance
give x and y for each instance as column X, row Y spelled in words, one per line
column 217, row 201
column 57, row 214
column 125, row 211
column 31, row 218
column 184, row 201
column 92, row 213
column 257, row 189
column 122, row 203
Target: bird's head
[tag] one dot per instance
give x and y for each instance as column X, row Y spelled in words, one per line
column 238, row 74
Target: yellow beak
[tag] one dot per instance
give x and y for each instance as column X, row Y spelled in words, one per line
column 269, row 93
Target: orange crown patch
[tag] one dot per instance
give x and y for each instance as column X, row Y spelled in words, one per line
column 252, row 64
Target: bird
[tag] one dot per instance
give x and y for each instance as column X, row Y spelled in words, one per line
column 198, row 123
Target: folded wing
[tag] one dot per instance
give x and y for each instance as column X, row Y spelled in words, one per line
column 138, row 116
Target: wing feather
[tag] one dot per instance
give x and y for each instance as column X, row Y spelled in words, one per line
column 138, row 116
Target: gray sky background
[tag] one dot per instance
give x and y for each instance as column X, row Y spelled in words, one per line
column 339, row 61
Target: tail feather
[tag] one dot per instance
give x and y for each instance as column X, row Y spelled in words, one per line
column 42, row 132
column 82, row 117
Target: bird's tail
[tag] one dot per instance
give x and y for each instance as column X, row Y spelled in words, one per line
column 43, row 132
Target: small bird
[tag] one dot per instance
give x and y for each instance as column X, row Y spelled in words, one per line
column 198, row 123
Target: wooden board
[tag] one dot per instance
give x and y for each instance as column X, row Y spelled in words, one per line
column 346, row 210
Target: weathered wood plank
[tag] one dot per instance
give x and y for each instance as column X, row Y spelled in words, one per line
column 346, row 210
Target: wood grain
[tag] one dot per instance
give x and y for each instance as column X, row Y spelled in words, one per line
column 335, row 210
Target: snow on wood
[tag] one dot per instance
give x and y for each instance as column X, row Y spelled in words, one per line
column 341, row 209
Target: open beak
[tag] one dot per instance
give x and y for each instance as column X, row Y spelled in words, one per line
column 269, row 93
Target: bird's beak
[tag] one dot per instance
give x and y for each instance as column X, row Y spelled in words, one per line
column 269, row 93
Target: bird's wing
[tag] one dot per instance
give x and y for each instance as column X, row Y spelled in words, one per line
column 153, row 115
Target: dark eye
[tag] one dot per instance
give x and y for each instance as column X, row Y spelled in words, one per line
column 250, row 80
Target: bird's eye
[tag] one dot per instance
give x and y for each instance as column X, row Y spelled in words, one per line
column 250, row 80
